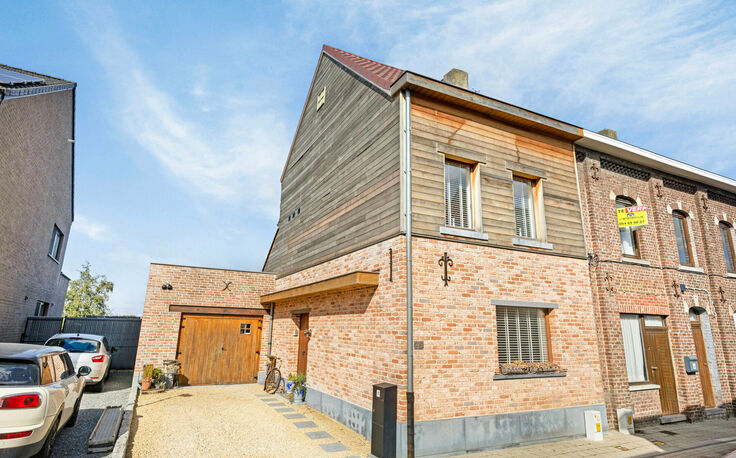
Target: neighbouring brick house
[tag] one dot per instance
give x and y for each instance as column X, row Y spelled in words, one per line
column 37, row 195
column 664, row 291
column 501, row 203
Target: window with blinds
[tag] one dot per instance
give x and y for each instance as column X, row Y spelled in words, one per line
column 522, row 335
column 524, row 212
column 457, row 195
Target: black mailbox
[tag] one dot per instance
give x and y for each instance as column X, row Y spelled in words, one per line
column 383, row 432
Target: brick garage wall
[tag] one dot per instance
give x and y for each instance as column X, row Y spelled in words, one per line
column 358, row 337
column 621, row 286
column 197, row 286
column 36, row 193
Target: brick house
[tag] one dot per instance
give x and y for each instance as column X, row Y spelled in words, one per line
column 665, row 291
column 36, row 185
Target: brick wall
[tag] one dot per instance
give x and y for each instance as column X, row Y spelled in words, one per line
column 36, row 190
column 196, row 286
column 651, row 285
column 358, row 337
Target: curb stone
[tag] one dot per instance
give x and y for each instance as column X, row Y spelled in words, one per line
column 121, row 443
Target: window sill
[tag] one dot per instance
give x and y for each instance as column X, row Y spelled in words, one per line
column 648, row 386
column 457, row 232
column 698, row 270
column 730, row 275
column 640, row 262
column 532, row 243
column 523, row 376
column 53, row 258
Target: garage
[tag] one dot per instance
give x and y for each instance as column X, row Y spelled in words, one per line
column 219, row 349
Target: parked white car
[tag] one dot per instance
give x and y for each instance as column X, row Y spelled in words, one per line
column 40, row 393
column 87, row 350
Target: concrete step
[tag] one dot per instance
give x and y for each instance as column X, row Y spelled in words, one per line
column 716, row 413
column 667, row 419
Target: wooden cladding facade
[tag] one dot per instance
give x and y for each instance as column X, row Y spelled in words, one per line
column 340, row 188
column 439, row 129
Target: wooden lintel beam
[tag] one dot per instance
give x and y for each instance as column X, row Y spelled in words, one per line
column 353, row 280
column 207, row 310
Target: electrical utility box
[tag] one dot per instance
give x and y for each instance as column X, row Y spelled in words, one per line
column 625, row 420
column 383, row 432
column 593, row 425
column 691, row 364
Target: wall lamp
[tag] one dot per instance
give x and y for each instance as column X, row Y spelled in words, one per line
column 167, row 285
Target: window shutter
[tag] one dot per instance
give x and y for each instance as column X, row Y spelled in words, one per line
column 522, row 334
column 457, row 195
column 524, row 208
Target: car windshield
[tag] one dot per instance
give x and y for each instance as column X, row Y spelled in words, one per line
column 18, row 373
column 75, row 344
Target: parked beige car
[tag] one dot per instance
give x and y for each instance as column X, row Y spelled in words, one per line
column 40, row 393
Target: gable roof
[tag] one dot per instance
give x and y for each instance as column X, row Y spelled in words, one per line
column 49, row 84
column 381, row 75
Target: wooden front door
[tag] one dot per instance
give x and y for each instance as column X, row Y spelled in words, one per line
column 216, row 350
column 703, row 365
column 659, row 367
column 301, row 362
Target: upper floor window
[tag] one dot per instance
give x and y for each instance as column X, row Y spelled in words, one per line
column 55, row 247
column 682, row 235
column 727, row 242
column 458, row 211
column 522, row 334
column 629, row 236
column 524, row 207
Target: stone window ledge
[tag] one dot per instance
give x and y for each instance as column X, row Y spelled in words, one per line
column 698, row 270
column 730, row 275
column 457, row 232
column 648, row 386
column 637, row 261
column 53, row 258
column 532, row 243
column 522, row 376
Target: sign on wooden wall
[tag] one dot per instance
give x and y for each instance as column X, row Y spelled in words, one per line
column 632, row 216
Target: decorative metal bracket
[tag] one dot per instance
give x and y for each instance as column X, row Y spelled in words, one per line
column 595, row 169
column 658, row 187
column 722, row 293
column 445, row 262
column 609, row 282
column 676, row 286
column 704, row 200
column 390, row 264
column 227, row 285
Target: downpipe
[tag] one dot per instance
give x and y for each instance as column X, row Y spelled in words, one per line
column 409, row 290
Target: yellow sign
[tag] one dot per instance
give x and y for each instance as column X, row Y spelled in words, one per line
column 632, row 216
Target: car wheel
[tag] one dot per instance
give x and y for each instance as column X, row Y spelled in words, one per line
column 73, row 419
column 97, row 388
column 45, row 451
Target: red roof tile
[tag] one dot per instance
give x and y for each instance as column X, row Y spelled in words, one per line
column 381, row 75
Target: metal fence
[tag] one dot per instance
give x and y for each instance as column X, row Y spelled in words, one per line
column 121, row 332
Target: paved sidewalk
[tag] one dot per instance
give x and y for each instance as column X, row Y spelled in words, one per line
column 713, row 438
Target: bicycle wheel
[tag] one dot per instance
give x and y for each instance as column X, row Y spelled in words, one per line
column 273, row 381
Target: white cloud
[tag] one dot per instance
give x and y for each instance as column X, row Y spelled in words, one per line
column 235, row 153
column 91, row 229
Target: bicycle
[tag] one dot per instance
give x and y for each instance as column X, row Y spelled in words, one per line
column 273, row 378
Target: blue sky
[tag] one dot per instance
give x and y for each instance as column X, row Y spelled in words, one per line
column 186, row 110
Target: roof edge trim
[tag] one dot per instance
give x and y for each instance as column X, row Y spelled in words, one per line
column 16, row 93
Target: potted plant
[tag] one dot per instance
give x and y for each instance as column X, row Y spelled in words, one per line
column 147, row 377
column 522, row 367
column 157, row 378
column 290, row 383
column 300, row 388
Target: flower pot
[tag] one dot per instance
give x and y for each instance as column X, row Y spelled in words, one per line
column 289, row 387
column 299, row 394
column 146, row 384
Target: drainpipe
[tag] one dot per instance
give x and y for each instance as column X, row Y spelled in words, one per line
column 409, row 295
column 270, row 330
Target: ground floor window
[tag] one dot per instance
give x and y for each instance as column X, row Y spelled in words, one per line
column 522, row 335
column 42, row 308
column 633, row 329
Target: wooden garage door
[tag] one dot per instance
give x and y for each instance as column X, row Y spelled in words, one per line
column 215, row 349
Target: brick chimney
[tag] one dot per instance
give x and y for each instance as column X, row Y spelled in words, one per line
column 457, row 78
column 610, row 133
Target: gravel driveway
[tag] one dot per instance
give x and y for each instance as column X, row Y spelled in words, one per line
column 73, row 441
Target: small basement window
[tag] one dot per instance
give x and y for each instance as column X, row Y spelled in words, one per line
column 245, row 328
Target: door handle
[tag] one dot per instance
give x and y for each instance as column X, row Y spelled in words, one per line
column 654, row 368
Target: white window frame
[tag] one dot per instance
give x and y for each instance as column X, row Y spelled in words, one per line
column 467, row 217
column 534, row 201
